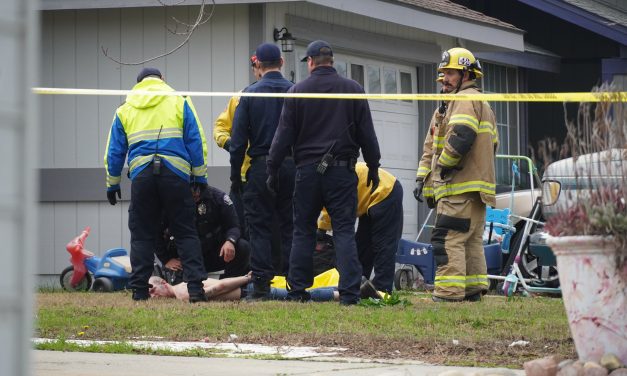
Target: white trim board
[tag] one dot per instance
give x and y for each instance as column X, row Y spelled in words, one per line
column 437, row 23
column 363, row 42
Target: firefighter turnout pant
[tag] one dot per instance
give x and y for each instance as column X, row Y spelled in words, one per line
column 457, row 241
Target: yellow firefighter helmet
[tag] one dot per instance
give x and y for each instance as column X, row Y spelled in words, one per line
column 460, row 59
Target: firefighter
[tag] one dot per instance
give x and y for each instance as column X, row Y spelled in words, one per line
column 458, row 175
column 380, row 227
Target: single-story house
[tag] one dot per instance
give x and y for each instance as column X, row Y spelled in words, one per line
column 389, row 46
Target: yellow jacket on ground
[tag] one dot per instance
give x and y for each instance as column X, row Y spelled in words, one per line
column 365, row 198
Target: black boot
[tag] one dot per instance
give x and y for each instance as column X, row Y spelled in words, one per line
column 367, row 290
column 140, row 294
column 260, row 291
column 196, row 292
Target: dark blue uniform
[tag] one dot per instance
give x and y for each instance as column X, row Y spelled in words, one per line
column 310, row 127
column 216, row 223
column 255, row 122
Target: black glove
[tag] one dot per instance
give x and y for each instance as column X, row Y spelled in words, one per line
column 111, row 196
column 198, row 187
column 227, row 145
column 373, row 178
column 445, row 171
column 236, row 184
column 272, row 183
column 418, row 190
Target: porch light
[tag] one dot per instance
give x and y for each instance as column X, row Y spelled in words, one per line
column 286, row 38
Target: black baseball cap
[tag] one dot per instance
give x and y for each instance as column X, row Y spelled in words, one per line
column 318, row 48
column 268, row 52
column 148, row 72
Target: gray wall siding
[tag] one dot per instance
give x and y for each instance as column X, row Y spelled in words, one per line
column 74, row 129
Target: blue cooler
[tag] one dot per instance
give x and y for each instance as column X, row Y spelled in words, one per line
column 493, row 258
column 419, row 255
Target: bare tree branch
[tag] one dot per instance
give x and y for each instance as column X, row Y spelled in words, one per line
column 190, row 28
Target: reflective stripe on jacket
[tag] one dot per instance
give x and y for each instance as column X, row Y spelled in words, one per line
column 432, row 148
column 365, row 198
column 469, row 149
column 148, row 125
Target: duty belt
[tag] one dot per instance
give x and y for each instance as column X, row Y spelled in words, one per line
column 264, row 157
column 344, row 163
column 258, row 158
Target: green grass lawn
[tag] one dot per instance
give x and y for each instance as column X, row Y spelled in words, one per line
column 422, row 331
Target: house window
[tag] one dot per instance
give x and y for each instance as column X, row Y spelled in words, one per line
column 500, row 79
column 389, row 80
column 357, row 73
column 406, row 83
column 374, row 79
column 340, row 67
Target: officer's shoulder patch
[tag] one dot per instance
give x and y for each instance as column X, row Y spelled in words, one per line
column 227, row 200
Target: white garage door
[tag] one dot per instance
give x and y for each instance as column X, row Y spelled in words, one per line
column 396, row 122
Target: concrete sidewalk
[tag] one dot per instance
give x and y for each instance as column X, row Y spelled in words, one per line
column 56, row 363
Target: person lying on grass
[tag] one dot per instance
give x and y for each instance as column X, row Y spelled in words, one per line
column 233, row 288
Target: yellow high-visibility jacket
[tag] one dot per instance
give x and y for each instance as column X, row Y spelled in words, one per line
column 365, row 198
column 149, row 125
column 222, row 130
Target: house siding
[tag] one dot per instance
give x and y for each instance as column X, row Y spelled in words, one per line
column 74, row 129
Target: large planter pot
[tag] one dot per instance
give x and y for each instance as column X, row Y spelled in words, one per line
column 594, row 295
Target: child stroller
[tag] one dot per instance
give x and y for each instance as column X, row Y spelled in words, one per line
column 530, row 261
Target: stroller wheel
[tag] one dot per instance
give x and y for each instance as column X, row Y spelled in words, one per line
column 509, row 285
column 403, row 279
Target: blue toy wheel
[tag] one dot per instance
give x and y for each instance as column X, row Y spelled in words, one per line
column 103, row 284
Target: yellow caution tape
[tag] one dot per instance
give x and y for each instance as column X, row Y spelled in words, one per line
column 620, row 96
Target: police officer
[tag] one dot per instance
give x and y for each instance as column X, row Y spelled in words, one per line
column 325, row 135
column 222, row 246
column 254, row 126
column 380, row 214
column 462, row 175
column 166, row 152
column 222, row 135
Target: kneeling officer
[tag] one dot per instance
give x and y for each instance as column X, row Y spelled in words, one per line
column 222, row 246
column 380, row 213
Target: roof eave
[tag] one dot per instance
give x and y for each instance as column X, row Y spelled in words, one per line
column 429, row 21
column 581, row 17
column 104, row 4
